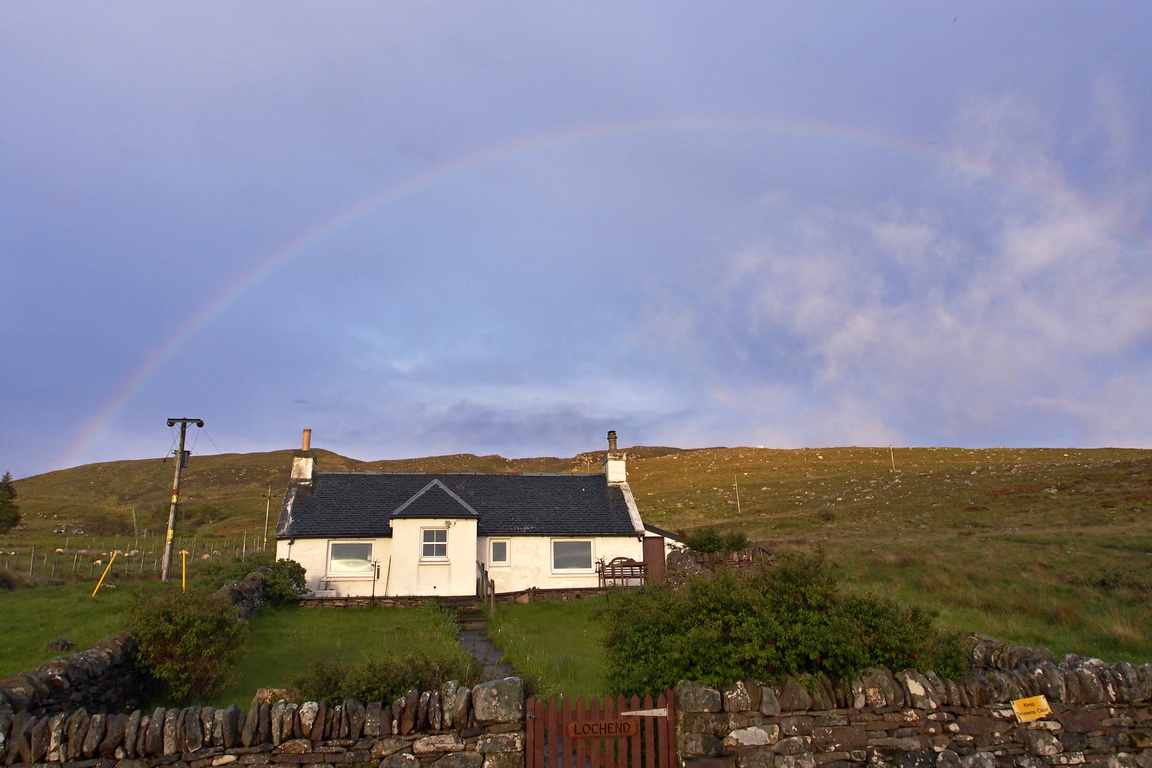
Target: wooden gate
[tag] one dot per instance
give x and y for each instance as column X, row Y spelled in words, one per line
column 615, row 733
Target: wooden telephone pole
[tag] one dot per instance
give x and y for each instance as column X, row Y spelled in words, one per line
column 181, row 459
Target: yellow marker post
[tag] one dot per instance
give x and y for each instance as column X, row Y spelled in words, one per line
column 1032, row 708
column 183, row 570
column 105, row 574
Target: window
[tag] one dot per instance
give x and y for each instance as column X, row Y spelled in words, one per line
column 350, row 558
column 435, row 542
column 571, row 555
column 499, row 552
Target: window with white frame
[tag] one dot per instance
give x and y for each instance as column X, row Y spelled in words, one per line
column 571, row 555
column 498, row 551
column 434, row 543
column 350, row 558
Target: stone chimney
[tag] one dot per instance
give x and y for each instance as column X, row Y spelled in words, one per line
column 614, row 461
column 304, row 462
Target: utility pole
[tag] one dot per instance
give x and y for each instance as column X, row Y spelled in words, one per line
column 181, row 457
column 267, row 506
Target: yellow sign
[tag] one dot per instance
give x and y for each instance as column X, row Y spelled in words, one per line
column 1031, row 709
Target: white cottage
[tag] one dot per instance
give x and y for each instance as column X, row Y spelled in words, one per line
column 364, row 534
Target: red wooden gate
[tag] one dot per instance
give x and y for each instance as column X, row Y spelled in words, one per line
column 605, row 737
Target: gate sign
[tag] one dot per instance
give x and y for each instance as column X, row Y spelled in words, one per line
column 604, row 729
column 1031, row 709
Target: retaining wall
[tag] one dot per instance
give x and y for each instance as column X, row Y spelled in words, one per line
column 523, row 596
column 1101, row 717
column 103, row 678
column 455, row 727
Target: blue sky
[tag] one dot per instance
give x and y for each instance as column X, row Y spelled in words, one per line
column 505, row 228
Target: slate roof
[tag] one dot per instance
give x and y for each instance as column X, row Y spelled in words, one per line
column 435, row 500
column 361, row 504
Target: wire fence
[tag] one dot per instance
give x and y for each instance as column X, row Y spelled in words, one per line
column 138, row 556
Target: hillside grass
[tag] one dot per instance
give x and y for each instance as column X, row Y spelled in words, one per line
column 1002, row 541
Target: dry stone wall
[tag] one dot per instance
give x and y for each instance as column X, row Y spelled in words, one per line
column 454, row 727
column 1101, row 717
column 103, row 678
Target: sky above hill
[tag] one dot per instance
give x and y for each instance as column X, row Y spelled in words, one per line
column 426, row 228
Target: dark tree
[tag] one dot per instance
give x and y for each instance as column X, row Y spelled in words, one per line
column 9, row 512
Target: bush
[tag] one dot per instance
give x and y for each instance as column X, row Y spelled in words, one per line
column 787, row 618
column 216, row 572
column 705, row 539
column 734, row 541
column 284, row 580
column 10, row 581
column 708, row 539
column 380, row 680
column 188, row 641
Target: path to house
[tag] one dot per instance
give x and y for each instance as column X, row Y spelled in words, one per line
column 473, row 635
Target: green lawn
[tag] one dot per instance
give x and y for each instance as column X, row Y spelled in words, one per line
column 32, row 618
column 284, row 641
column 555, row 646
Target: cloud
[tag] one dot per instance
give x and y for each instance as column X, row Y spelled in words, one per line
column 887, row 321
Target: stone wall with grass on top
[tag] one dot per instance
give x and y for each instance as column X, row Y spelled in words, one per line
column 1101, row 716
column 454, row 727
column 103, row 678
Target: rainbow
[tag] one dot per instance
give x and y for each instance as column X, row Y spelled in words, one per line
column 259, row 271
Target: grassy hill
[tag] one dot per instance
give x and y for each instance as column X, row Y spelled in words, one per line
column 1039, row 546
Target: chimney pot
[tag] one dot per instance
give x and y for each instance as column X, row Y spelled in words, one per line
column 307, row 439
column 611, row 439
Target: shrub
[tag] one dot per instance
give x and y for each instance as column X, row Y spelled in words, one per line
column 284, row 580
column 705, row 539
column 10, row 581
column 216, row 572
column 735, row 541
column 380, row 680
column 188, row 641
column 790, row 617
column 708, row 539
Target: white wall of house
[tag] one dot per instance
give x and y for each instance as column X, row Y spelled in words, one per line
column 414, row 572
column 403, row 570
column 530, row 560
column 328, row 578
